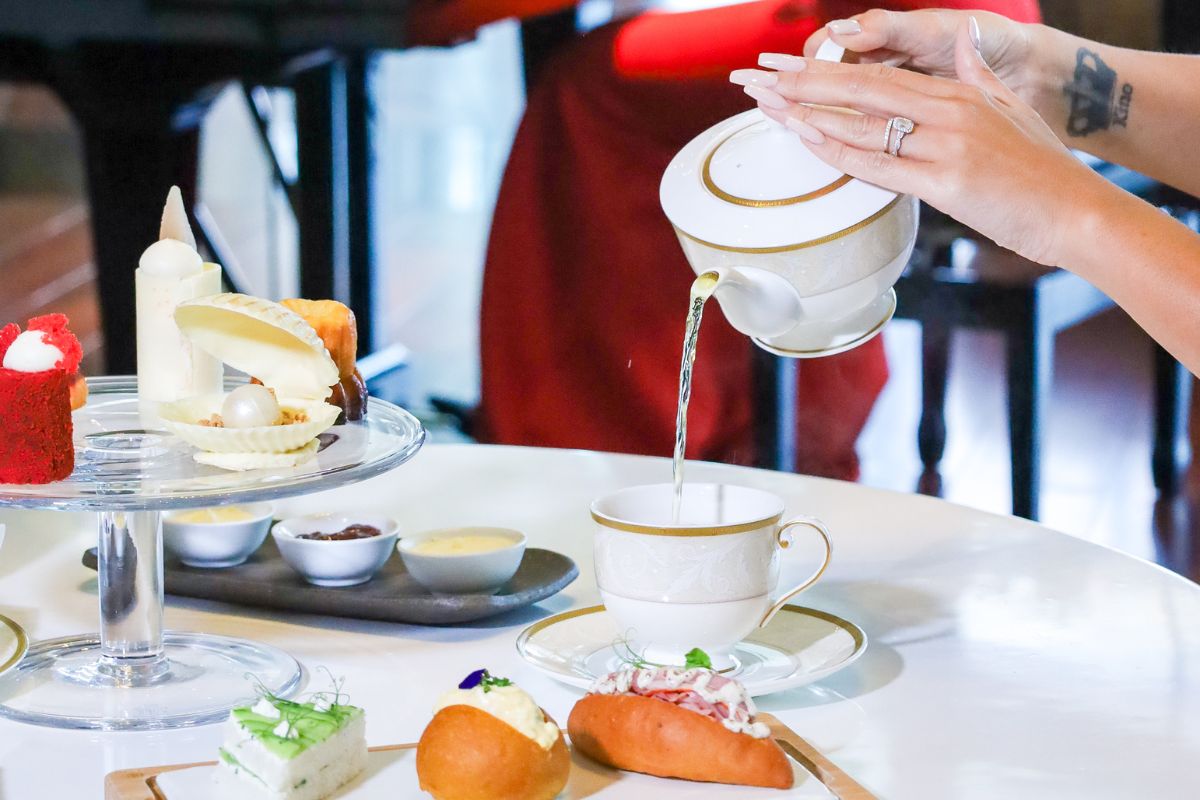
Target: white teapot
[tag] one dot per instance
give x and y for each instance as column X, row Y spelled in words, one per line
column 805, row 257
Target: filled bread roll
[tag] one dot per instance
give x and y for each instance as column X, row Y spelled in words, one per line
column 644, row 734
column 492, row 743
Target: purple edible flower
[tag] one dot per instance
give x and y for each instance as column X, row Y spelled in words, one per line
column 474, row 679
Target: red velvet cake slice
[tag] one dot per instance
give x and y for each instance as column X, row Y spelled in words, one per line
column 37, row 370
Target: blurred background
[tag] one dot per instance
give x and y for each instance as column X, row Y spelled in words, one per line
column 434, row 103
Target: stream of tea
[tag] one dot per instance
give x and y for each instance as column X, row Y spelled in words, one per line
column 702, row 289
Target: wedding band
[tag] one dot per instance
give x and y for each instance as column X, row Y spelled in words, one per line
column 901, row 127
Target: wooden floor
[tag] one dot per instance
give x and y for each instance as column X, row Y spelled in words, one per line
column 1096, row 469
column 46, row 266
column 1097, row 449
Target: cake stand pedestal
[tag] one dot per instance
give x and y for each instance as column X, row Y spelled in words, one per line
column 133, row 675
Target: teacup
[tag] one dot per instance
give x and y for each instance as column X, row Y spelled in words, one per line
column 706, row 580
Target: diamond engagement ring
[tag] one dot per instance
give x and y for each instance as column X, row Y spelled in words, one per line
column 893, row 135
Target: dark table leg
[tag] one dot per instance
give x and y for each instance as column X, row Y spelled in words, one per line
column 1172, row 393
column 360, row 163
column 1030, row 346
column 931, row 432
column 774, row 387
column 322, row 195
column 333, row 189
column 129, row 170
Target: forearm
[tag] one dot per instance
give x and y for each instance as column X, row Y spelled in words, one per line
column 1129, row 107
column 1147, row 262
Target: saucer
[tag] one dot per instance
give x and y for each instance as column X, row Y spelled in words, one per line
column 13, row 644
column 846, row 334
column 799, row 646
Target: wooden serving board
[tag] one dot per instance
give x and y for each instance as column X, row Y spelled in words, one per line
column 142, row 784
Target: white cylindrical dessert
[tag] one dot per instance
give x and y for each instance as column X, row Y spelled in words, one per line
column 170, row 367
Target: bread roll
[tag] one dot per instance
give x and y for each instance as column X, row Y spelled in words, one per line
column 644, row 734
column 468, row 754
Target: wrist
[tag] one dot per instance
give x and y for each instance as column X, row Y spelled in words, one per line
column 1098, row 211
column 1040, row 79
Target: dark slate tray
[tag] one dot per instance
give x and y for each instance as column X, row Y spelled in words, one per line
column 392, row 595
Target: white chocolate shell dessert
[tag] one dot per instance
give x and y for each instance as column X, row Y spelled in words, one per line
column 283, row 416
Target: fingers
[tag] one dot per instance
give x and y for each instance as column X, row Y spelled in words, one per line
column 883, row 69
column 863, row 131
column 871, row 89
column 901, row 33
column 813, row 44
column 861, row 33
column 903, row 175
column 970, row 65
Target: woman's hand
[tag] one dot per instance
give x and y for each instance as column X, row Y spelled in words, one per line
column 977, row 153
column 925, row 41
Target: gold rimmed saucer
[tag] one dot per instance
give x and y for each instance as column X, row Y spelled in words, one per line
column 799, row 646
column 13, row 644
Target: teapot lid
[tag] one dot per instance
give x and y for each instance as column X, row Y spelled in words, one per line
column 749, row 183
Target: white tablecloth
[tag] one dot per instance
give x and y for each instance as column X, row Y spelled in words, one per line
column 1006, row 660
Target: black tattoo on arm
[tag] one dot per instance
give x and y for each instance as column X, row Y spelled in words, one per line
column 1095, row 104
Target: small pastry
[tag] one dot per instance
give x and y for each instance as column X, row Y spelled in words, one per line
column 37, row 369
column 283, row 750
column 335, row 324
column 690, row 723
column 170, row 272
column 488, row 739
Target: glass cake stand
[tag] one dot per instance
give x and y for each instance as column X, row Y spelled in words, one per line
column 133, row 675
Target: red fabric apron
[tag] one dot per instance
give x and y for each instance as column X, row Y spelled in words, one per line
column 586, row 289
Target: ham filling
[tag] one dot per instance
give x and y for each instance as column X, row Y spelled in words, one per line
column 699, row 690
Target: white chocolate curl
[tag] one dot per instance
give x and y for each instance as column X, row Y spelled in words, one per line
column 29, row 352
column 174, row 224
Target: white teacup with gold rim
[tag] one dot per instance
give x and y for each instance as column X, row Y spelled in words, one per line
column 706, row 580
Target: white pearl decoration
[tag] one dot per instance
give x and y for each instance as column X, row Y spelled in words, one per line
column 250, row 406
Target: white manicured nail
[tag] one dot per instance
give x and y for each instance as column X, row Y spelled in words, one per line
column 782, row 62
column 767, row 97
column 973, row 30
column 844, row 27
column 805, row 130
column 753, row 77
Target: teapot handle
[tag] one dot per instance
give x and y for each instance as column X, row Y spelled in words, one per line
column 783, row 536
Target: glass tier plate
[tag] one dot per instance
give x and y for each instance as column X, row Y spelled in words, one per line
column 132, row 676
column 121, row 466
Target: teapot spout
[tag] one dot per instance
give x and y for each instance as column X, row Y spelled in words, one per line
column 757, row 302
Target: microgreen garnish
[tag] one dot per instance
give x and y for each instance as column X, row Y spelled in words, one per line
column 697, row 659
column 261, row 690
column 292, row 712
column 628, row 656
column 335, row 696
column 481, row 677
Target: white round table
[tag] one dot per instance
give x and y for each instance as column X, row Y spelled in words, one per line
column 1006, row 660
